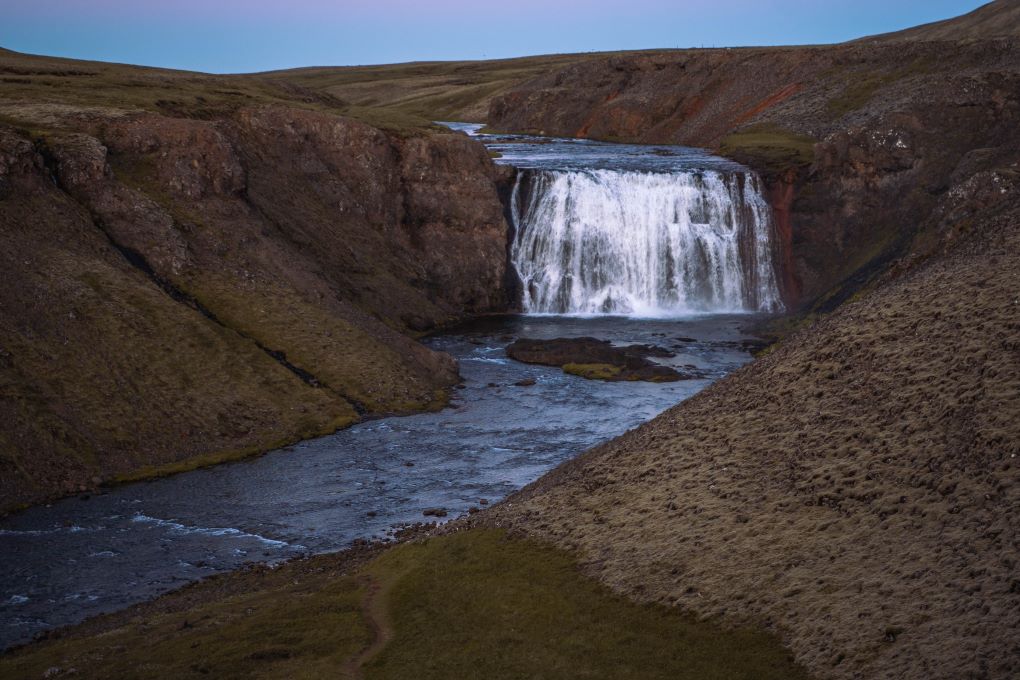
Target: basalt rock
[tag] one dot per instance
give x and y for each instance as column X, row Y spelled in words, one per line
column 597, row 359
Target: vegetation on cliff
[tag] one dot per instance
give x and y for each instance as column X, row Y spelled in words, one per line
column 209, row 279
column 854, row 490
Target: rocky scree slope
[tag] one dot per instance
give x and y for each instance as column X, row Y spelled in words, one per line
column 857, row 143
column 179, row 291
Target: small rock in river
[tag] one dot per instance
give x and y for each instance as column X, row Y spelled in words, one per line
column 434, row 512
column 483, row 501
column 527, row 382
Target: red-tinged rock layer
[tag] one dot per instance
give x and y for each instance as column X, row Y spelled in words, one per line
column 871, row 134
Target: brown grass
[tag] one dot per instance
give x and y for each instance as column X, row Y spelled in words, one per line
column 857, row 486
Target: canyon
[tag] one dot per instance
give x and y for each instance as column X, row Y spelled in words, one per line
column 181, row 290
column 199, row 268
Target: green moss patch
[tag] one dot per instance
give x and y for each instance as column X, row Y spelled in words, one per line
column 475, row 604
column 769, row 148
column 289, row 628
column 479, row 605
column 861, row 88
column 593, row 371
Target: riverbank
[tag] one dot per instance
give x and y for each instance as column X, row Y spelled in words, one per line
column 468, row 604
column 101, row 552
column 189, row 281
column 856, row 488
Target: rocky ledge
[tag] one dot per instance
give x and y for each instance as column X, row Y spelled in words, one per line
column 598, row 359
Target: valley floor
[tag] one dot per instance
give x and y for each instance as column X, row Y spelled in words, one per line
column 851, row 493
column 472, row 604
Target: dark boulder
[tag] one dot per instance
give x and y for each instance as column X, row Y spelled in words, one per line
column 597, row 359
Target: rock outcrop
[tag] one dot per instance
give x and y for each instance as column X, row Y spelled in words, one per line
column 178, row 291
column 597, row 359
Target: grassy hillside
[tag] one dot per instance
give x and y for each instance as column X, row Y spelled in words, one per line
column 426, row 90
column 997, row 19
column 858, row 487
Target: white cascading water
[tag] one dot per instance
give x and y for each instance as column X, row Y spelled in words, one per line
column 644, row 244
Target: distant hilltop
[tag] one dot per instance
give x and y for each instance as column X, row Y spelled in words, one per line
column 999, row 19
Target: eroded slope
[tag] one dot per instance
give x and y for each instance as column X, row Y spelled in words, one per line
column 856, row 489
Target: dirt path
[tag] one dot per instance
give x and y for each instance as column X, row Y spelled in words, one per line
column 373, row 608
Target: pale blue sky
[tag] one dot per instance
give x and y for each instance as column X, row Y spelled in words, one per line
column 234, row 36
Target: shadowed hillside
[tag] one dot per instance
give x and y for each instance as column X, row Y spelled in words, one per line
column 198, row 268
column 457, row 91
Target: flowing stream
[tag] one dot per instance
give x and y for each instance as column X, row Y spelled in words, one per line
column 86, row 555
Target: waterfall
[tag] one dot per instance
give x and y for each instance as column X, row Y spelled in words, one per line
column 641, row 243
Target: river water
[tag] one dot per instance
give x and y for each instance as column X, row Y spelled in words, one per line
column 83, row 556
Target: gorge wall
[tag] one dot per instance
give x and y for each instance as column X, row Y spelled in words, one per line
column 855, row 488
column 857, row 143
column 178, row 291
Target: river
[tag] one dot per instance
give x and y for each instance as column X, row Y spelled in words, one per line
column 82, row 556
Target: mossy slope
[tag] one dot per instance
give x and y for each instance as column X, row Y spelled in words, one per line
column 474, row 604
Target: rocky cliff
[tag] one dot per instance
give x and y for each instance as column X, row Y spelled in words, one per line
column 178, row 291
column 857, row 142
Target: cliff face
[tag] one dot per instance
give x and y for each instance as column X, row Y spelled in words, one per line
column 178, row 290
column 856, row 142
